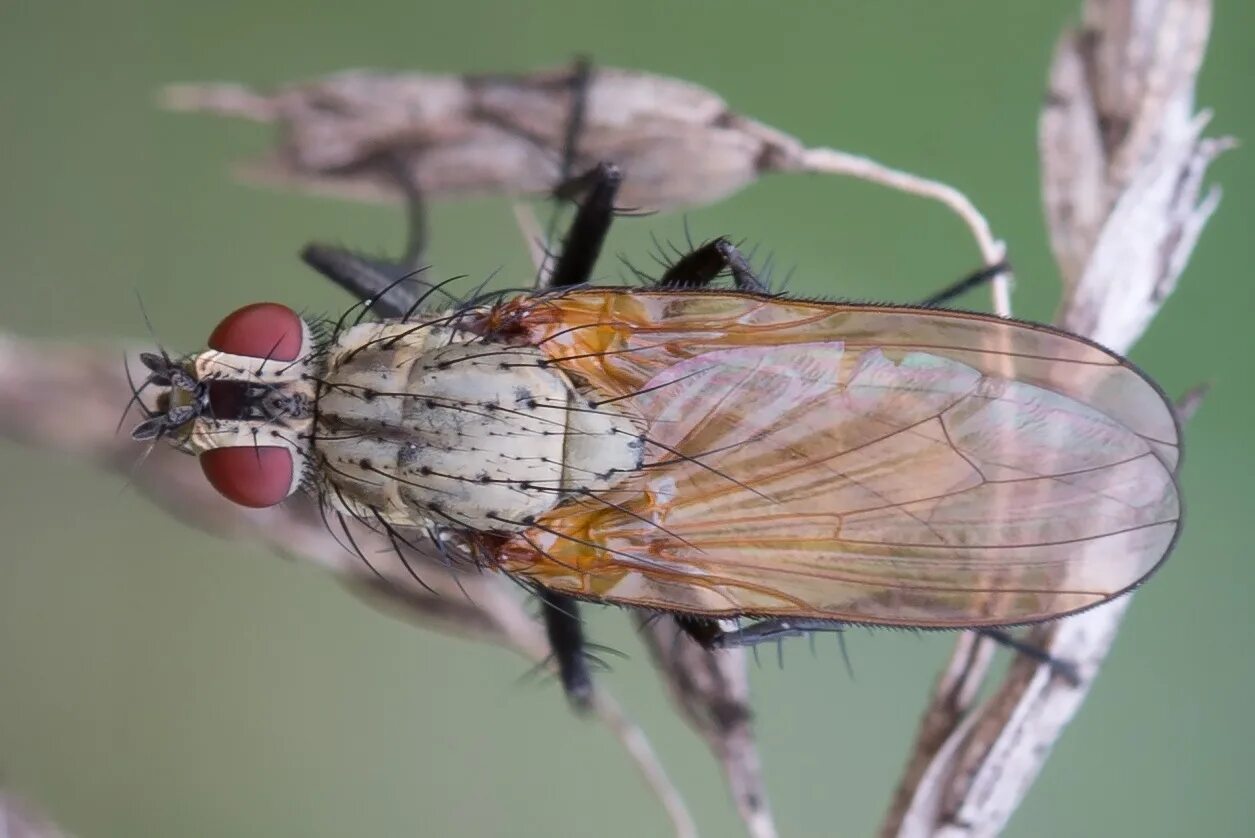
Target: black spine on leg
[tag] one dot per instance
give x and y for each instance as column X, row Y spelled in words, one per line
column 588, row 230
column 566, row 639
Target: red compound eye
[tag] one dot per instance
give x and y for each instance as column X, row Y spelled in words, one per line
column 260, row 330
column 253, row 477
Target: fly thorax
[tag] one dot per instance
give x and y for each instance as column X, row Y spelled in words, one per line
column 466, row 433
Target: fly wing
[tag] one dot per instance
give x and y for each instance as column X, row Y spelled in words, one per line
column 881, row 465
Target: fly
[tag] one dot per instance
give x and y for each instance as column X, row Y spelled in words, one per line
column 707, row 452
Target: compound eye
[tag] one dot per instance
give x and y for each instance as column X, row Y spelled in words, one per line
column 253, row 477
column 260, row 330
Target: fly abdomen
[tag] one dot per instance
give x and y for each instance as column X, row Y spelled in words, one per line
column 474, row 435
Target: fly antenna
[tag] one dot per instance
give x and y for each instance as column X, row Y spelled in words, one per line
column 135, row 396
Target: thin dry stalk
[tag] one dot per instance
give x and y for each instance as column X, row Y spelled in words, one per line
column 633, row 739
column 712, row 693
column 993, row 252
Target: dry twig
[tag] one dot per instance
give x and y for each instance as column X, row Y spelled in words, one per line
column 713, row 694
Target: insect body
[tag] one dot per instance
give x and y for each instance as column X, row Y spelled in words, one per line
column 710, row 453
column 727, row 453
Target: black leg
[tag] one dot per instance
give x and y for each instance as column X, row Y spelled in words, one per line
column 583, row 242
column 780, row 628
column 566, row 639
column 366, row 279
column 967, row 283
column 773, row 629
column 699, row 268
column 392, row 286
column 1064, row 669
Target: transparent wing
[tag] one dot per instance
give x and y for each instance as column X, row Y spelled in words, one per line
column 883, row 465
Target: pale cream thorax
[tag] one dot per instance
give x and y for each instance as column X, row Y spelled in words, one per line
column 436, row 427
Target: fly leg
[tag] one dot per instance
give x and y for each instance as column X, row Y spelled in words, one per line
column 391, row 288
column 967, row 283
column 587, row 233
column 780, row 628
column 776, row 628
column 561, row 614
column 1064, row 669
column 699, row 268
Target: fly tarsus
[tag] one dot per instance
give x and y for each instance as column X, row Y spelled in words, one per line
column 771, row 630
column 1064, row 669
column 779, row 628
column 972, row 281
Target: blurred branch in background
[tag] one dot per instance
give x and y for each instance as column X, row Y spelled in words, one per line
column 18, row 819
column 678, row 144
column 1122, row 166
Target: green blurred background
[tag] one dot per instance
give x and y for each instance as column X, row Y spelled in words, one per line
column 158, row 682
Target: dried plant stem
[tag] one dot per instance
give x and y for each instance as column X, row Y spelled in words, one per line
column 634, row 741
column 833, row 162
column 677, row 143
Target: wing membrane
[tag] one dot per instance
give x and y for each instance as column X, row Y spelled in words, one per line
column 896, row 466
